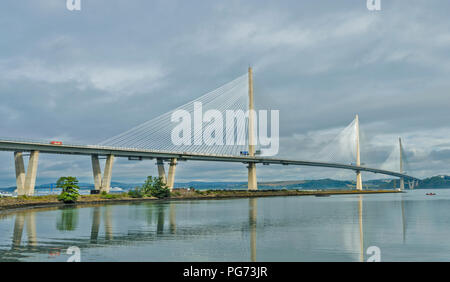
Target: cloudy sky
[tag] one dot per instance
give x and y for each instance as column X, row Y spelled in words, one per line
column 84, row 76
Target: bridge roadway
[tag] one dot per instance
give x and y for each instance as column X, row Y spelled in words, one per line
column 24, row 146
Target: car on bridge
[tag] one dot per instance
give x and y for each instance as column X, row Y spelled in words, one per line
column 244, row 153
column 55, row 142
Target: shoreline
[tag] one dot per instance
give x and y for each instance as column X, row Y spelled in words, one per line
column 8, row 203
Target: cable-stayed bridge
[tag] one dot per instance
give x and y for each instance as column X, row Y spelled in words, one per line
column 225, row 132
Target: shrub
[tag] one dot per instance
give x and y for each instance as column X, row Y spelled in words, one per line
column 105, row 195
column 70, row 189
column 136, row 193
column 155, row 187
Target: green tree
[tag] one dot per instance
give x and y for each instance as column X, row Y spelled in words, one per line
column 70, row 189
column 154, row 186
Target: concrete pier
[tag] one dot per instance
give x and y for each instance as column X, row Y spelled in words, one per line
column 171, row 176
column 161, row 170
column 252, row 182
column 106, row 182
column 97, row 172
column 26, row 181
column 20, row 173
column 30, row 178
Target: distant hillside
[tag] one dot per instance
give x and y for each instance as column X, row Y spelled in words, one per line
column 308, row 184
column 442, row 181
column 435, row 182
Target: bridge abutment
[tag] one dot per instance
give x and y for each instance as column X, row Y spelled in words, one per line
column 402, row 183
column 171, row 176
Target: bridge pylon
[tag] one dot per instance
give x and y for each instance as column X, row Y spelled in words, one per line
column 252, row 182
column 402, row 180
column 358, row 156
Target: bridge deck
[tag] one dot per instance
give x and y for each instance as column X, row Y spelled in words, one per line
column 8, row 145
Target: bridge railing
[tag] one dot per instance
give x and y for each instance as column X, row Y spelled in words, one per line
column 71, row 144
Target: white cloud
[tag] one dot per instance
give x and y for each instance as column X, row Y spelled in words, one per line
column 126, row 80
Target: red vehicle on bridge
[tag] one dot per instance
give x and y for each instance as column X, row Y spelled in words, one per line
column 56, row 142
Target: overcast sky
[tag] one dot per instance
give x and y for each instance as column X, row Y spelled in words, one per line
column 84, row 76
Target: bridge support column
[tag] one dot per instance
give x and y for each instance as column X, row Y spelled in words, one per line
column 252, row 182
column 20, row 173
column 161, row 170
column 30, row 179
column 402, row 183
column 171, row 176
column 358, row 156
column 97, row 172
column 358, row 180
column 106, row 182
column 402, row 180
column 26, row 181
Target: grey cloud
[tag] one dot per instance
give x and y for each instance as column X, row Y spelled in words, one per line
column 83, row 77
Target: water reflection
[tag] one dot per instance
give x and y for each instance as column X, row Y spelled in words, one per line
column 19, row 222
column 291, row 228
column 402, row 202
column 95, row 224
column 68, row 220
column 108, row 223
column 252, row 214
column 160, row 221
column 361, row 229
column 172, row 218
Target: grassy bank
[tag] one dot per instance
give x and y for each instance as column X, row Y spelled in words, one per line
column 51, row 200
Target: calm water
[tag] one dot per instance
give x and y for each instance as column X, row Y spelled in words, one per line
column 406, row 227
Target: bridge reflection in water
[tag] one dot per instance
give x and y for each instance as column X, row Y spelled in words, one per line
column 155, row 224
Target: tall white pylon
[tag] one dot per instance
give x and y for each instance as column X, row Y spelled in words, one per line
column 252, row 182
column 358, row 156
column 402, row 180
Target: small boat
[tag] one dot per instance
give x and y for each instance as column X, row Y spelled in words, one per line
column 430, row 194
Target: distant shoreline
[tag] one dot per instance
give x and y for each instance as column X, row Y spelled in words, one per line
column 9, row 203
